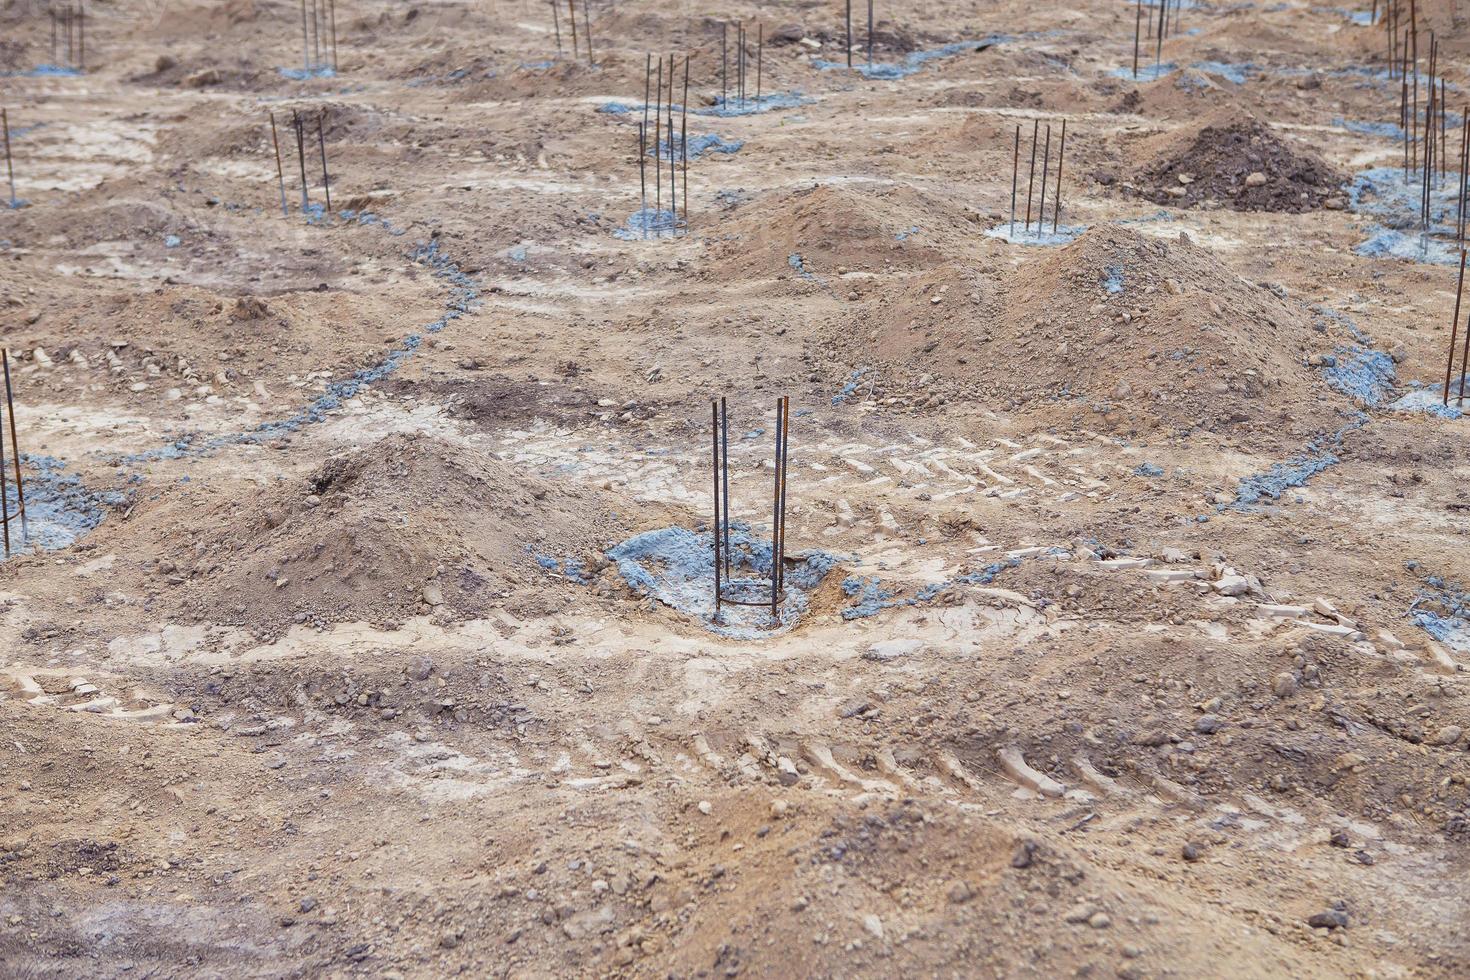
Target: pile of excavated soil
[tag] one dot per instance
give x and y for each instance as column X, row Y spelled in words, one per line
column 1235, row 160
column 401, row 527
column 1188, row 92
column 1154, row 332
column 825, row 231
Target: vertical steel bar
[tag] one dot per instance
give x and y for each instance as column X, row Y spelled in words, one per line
column 658, row 119
column 684, row 140
column 321, row 141
column 1056, row 204
column 332, row 8
column 1015, row 172
column 280, row 173
column 714, row 409
column 9, row 167
column 1449, row 368
column 724, row 65
column 301, row 156
column 785, row 458
column 4, row 493
column 673, row 171
column 725, row 482
column 1137, row 23
column 1045, row 169
column 1464, row 369
column 556, row 26
column 776, row 513
column 643, row 177
column 1031, row 180
column 572, row 16
column 20, row 490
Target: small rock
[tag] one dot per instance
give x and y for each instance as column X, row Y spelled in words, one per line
column 1208, row 724
column 1024, row 854
column 1448, row 735
column 1193, row 852
column 705, row 808
column 1255, row 179
column 1331, row 919
column 419, row 668
column 1284, row 684
column 874, row 925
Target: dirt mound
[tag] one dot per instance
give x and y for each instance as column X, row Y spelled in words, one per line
column 405, row 526
column 1235, row 159
column 1157, row 332
column 817, row 232
column 1183, row 93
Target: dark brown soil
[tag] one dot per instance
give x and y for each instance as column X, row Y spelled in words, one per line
column 1240, row 163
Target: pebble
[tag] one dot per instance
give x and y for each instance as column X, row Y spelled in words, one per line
column 1284, row 684
column 1208, row 724
column 1448, row 735
column 705, row 808
column 1331, row 919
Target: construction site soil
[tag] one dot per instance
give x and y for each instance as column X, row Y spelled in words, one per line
column 363, row 625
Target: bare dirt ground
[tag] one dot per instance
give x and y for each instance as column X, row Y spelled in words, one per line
column 1127, row 631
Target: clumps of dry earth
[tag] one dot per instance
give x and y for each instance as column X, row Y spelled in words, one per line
column 1140, row 648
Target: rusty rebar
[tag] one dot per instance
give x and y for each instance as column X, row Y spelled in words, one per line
column 9, row 167
column 776, row 515
column 1045, row 169
column 643, row 176
column 321, row 141
column 725, row 482
column 4, row 492
column 1137, row 23
column 280, row 173
column 658, row 118
column 780, row 570
column 724, row 64
column 1031, row 180
column 1449, row 368
column 20, row 490
column 332, row 16
column 81, row 38
column 714, row 408
column 1015, row 171
column 1056, row 204
column 556, row 25
column 301, row 156
column 572, row 16
column 673, row 171
column 684, row 140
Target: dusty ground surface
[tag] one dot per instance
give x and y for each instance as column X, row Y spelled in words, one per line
column 1140, row 649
